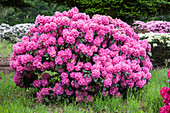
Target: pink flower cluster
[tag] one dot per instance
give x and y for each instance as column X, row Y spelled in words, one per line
column 90, row 56
column 152, row 26
column 165, row 93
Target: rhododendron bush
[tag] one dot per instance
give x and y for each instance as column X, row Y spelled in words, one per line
column 85, row 57
column 165, row 93
column 152, row 26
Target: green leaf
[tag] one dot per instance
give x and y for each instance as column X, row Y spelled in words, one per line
column 84, row 71
column 58, row 97
column 85, row 75
column 148, row 53
column 119, row 73
column 39, row 34
column 127, row 73
column 141, row 57
column 36, row 52
column 51, row 59
column 110, row 36
column 31, row 52
column 37, row 25
column 81, row 41
column 69, row 88
column 120, row 53
column 28, row 64
column 136, row 59
column 46, row 54
column 56, row 30
column 81, row 55
column 104, row 88
column 64, row 87
column 47, row 58
column 69, row 60
column 113, row 41
column 41, row 44
column 95, row 80
column 56, row 68
column 51, row 32
column 56, row 45
column 102, row 81
column 71, row 46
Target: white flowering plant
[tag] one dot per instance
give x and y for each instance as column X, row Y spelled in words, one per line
column 160, row 43
column 13, row 33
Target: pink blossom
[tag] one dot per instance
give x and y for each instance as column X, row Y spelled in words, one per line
column 140, row 83
column 64, row 75
column 90, row 98
column 107, row 82
column 45, row 76
column 17, row 78
column 168, row 73
column 44, row 82
column 69, row 92
column 70, row 40
column 60, row 41
column 37, row 83
column 58, row 89
column 44, row 91
column 87, row 66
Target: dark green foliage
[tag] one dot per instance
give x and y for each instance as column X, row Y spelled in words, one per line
column 160, row 54
column 126, row 10
column 15, row 3
column 28, row 15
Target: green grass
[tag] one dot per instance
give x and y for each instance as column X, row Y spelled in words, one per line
column 148, row 100
column 6, row 49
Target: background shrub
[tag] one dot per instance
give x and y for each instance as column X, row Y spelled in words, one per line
column 13, row 33
column 152, row 26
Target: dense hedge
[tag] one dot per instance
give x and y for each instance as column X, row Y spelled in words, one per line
column 126, row 10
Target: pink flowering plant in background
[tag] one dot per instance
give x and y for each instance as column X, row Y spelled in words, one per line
column 165, row 93
column 152, row 26
column 85, row 57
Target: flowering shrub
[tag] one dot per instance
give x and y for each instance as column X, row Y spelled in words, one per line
column 165, row 93
column 156, row 38
column 160, row 43
column 83, row 57
column 152, row 26
column 13, row 33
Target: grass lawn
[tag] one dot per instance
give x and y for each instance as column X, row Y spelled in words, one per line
column 148, row 100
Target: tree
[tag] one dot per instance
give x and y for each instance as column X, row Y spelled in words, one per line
column 127, row 10
column 28, row 14
column 21, row 4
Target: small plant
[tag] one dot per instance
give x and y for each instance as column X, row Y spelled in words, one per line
column 84, row 57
